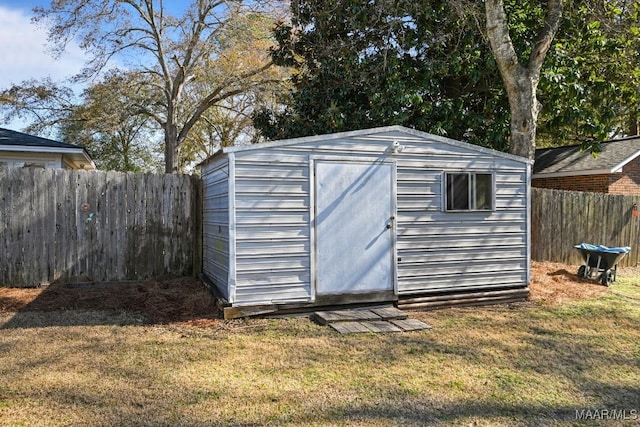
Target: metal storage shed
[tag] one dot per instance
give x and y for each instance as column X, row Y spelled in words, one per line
column 384, row 214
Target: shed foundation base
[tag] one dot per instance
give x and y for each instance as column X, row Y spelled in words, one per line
column 325, row 302
column 461, row 299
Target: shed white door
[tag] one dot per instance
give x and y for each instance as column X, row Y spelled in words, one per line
column 354, row 227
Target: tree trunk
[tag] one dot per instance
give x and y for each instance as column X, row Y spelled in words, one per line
column 524, row 108
column 633, row 123
column 521, row 82
column 171, row 149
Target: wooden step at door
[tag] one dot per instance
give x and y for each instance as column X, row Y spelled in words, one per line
column 358, row 315
column 376, row 320
column 390, row 313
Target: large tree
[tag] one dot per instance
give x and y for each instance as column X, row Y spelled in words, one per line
column 591, row 74
column 105, row 118
column 167, row 48
column 229, row 121
column 431, row 65
column 361, row 64
column 520, row 71
column 108, row 124
column 590, row 85
column 42, row 103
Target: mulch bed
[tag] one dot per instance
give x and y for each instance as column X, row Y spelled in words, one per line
column 185, row 300
column 553, row 283
column 168, row 300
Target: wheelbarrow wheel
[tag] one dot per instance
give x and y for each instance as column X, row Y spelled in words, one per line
column 582, row 271
column 607, row 277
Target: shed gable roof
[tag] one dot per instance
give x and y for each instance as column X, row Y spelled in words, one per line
column 372, row 132
column 570, row 161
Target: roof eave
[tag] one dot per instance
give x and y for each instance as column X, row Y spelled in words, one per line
column 206, row 161
column 562, row 174
column 41, row 149
column 76, row 156
column 362, row 132
column 623, row 163
column 307, row 139
column 82, row 161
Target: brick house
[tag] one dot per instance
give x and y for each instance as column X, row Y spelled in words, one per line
column 616, row 170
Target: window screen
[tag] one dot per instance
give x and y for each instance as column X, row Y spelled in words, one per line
column 469, row 192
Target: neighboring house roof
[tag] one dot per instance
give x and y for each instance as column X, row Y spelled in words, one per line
column 11, row 140
column 570, row 161
column 372, row 132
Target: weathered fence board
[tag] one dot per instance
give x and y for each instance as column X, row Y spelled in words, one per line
column 94, row 226
column 106, row 226
column 562, row 219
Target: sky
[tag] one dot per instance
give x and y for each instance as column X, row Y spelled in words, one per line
column 23, row 50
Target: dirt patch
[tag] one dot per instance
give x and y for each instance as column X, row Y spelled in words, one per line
column 168, row 300
column 186, row 301
column 553, row 283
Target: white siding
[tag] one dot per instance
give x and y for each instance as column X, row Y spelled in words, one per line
column 272, row 215
column 442, row 251
column 215, row 223
column 461, row 260
column 456, row 251
column 439, row 251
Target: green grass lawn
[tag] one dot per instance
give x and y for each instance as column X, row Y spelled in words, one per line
column 520, row 364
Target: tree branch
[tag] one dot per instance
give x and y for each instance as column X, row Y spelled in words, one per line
column 546, row 36
column 500, row 40
column 215, row 96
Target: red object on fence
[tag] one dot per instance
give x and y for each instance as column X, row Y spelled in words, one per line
column 635, row 210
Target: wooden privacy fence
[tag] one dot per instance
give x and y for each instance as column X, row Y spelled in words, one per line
column 109, row 226
column 95, row 226
column 562, row 219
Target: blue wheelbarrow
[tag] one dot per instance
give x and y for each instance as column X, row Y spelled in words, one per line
column 600, row 262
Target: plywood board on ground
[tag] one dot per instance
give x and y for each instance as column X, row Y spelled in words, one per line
column 349, row 327
column 380, row 326
column 411, row 324
column 335, row 316
column 389, row 313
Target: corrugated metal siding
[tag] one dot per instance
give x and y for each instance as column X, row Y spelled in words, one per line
column 447, row 251
column 215, row 223
column 439, row 251
column 442, row 251
column 272, row 228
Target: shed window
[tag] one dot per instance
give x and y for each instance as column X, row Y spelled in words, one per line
column 469, row 191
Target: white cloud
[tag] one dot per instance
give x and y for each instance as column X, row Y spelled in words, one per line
column 24, row 52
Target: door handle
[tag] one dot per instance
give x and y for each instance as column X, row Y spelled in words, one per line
column 390, row 223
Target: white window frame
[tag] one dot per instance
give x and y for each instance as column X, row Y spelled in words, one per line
column 471, row 191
